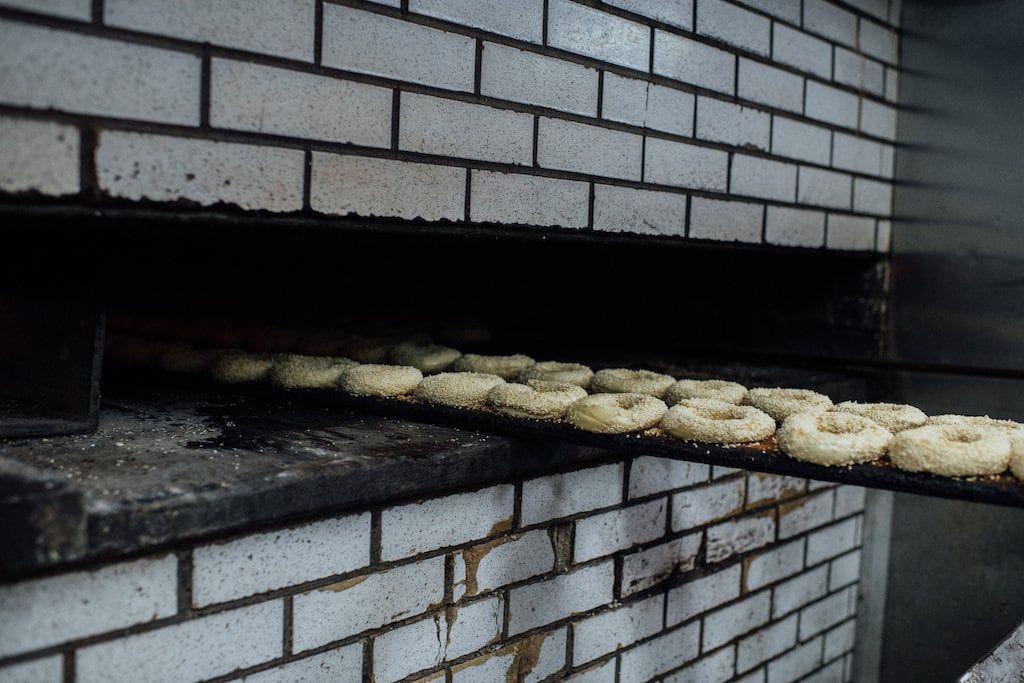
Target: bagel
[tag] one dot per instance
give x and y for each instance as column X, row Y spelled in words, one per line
column 616, row 413
column 427, row 358
column 506, row 367
column 293, row 371
column 833, row 438
column 232, row 368
column 1017, row 456
column 712, row 421
column 553, row 371
column 624, row 381
column 951, row 450
column 187, row 359
column 781, row 403
column 380, row 380
column 717, row 389
column 457, row 389
column 893, row 416
column 535, row 399
column 1007, row 427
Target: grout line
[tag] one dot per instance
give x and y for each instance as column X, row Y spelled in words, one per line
column 375, row 537
column 286, row 645
column 307, row 180
column 469, row 194
column 396, row 103
column 185, row 583
column 88, row 180
column 204, row 91
column 318, row 32
column 478, row 66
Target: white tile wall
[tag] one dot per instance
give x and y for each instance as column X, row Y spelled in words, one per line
column 765, row 644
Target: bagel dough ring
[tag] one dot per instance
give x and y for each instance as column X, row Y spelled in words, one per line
column 294, row 371
column 893, row 416
column 712, row 421
column 1017, row 457
column 624, row 381
column 951, row 450
column 1006, row 427
column 380, row 380
column 506, row 367
column 457, row 389
column 187, row 359
column 535, row 399
column 232, row 368
column 781, row 403
column 833, row 438
column 717, row 389
column 553, row 371
column 428, row 358
column 617, row 413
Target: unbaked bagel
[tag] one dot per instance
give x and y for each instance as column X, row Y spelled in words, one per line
column 833, row 438
column 717, row 389
column 506, row 367
column 712, row 421
column 428, row 358
column 457, row 389
column 380, row 380
column 781, row 403
column 951, row 450
column 625, row 381
column 553, row 371
column 232, row 368
column 293, row 371
column 535, row 399
column 1007, row 427
column 616, row 413
column 893, row 416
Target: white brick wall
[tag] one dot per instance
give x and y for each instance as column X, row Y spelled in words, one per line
column 38, row 156
column 623, row 209
column 542, row 603
column 528, row 200
column 659, row 655
column 45, row 670
column 682, row 165
column 561, row 495
column 646, row 568
column 707, row 504
column 591, row 32
column 765, row 644
column 617, row 628
column 797, row 592
column 649, row 475
column 714, row 668
column 740, row 535
column 713, row 219
column 676, row 12
column 794, row 227
column 522, row 19
column 692, row 62
column 824, row 188
column 521, row 76
column 808, row 513
column 826, row 613
column 615, row 530
column 703, row 594
column 732, row 124
column 434, row 125
column 637, row 102
column 833, row 540
column 341, row 664
column 770, row 566
column 722, row 626
column 801, row 50
column 799, row 140
column 796, row 663
column 734, row 25
column 850, row 232
column 766, row 84
column 763, row 178
column 832, row 22
column 498, row 563
column 571, row 146
column 72, row 9
column 832, row 105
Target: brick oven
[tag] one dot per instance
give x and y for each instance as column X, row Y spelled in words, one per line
column 704, row 188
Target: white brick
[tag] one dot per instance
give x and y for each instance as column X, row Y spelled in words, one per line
column 892, row 84
column 502, row 561
column 714, row 668
column 50, row 69
column 563, row 596
column 738, row 536
column 143, row 166
column 849, row 499
column 877, row 119
column 888, row 161
column 522, row 19
column 832, row 673
column 578, row 147
column 528, row 200
column 561, row 495
column 384, row 46
column 797, row 517
column 615, row 530
column 769, row 567
column 416, row 528
column 834, row 540
column 783, row 9
column 725, row 624
column 883, row 240
column 826, row 613
column 700, row 595
column 534, row 658
column 591, row 32
column 192, row 650
column 734, row 25
column 872, row 196
column 662, row 654
column 676, row 12
column 720, row 472
column 844, row 570
column 757, row 676
column 797, row 592
column 802, row 51
column 38, row 156
column 433, row 125
column 340, row 664
column 850, row 233
column 859, row 72
column 682, row 165
column 42, row 612
column 649, row 474
column 649, row 105
column 771, row 86
column 725, row 221
column 615, row 629
column 650, row 567
column 763, row 178
column 857, row 154
column 831, row 105
column 45, row 670
column 732, row 124
column 283, row 28
column 695, row 63
column 765, row 644
column 795, row 664
column 824, row 188
column 800, row 140
column 824, row 18
column 366, row 186
column 877, row 41
column 602, row 673
column 706, row 504
column 521, row 76
column 262, row 562
column 72, row 9
column 762, row 487
column 263, row 99
column 840, row 640
column 624, row 209
column 819, row 485
column 355, row 605
column 877, row 8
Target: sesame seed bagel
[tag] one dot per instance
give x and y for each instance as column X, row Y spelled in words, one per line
column 535, row 399
column 1007, row 427
column 893, row 416
column 233, row 368
column 506, row 367
column 380, row 380
column 712, row 421
column 781, row 403
column 624, row 381
column 951, row 450
column 457, row 389
column 717, row 389
column 833, row 438
column 1017, row 456
column 427, row 358
column 616, row 413
column 293, row 371
column 553, row 371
